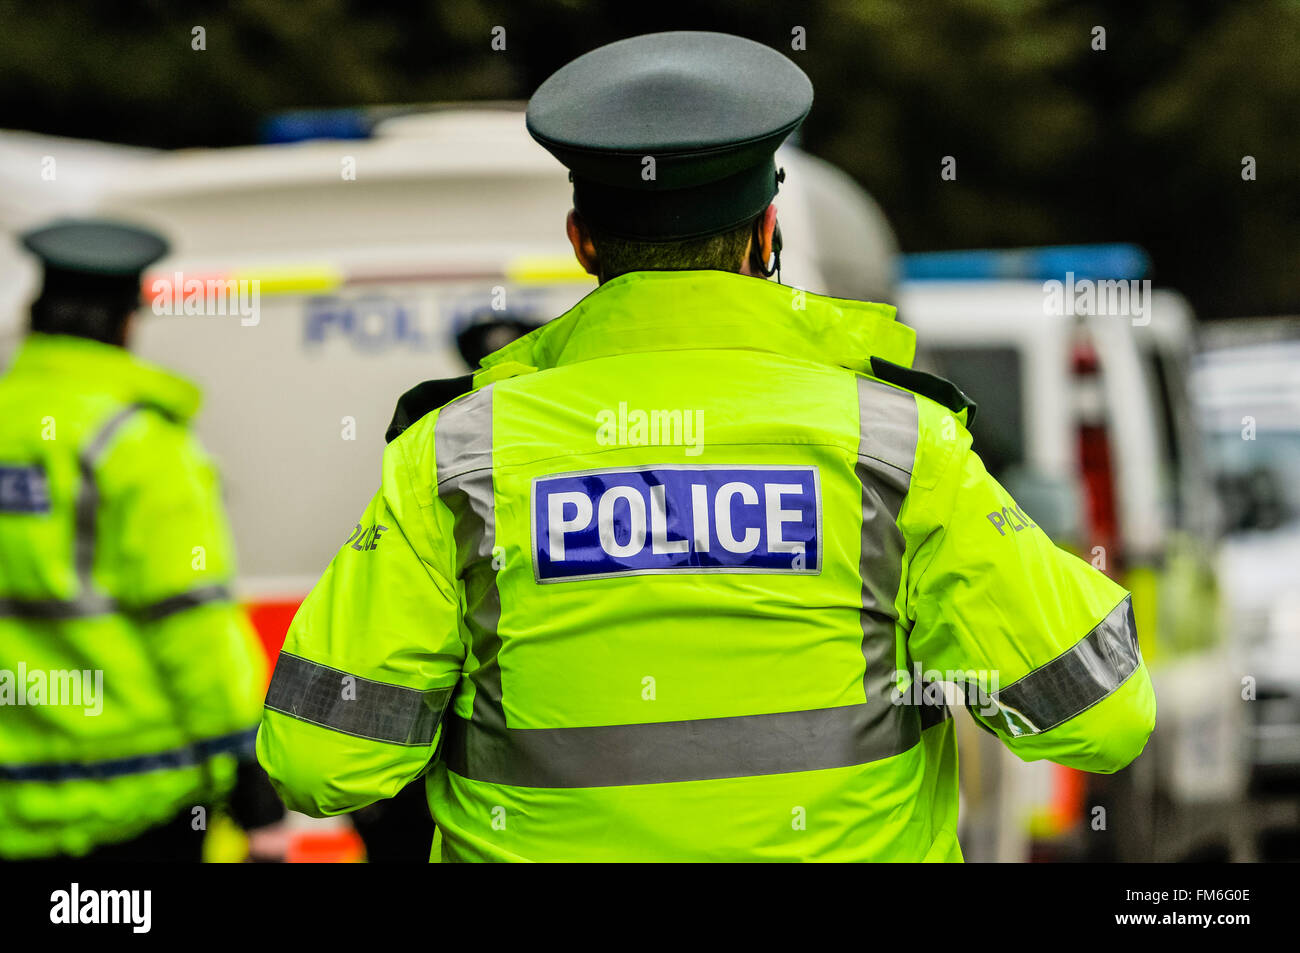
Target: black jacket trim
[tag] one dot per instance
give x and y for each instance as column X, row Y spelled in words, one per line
column 933, row 386
column 423, row 398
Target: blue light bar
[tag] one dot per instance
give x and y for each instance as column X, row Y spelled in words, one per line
column 1118, row 261
column 304, row 124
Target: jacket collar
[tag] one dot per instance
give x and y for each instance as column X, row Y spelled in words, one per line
column 112, row 369
column 697, row 310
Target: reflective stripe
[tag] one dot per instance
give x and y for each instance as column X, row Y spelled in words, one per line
column 185, row 600
column 240, row 742
column 887, row 434
column 668, row 751
column 362, row 707
column 890, row 427
column 54, row 610
column 1076, row 680
column 87, row 506
column 462, row 441
column 90, row 606
column 888, row 424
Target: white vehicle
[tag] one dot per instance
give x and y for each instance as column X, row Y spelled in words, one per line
column 1247, row 384
column 370, row 257
column 375, row 261
column 1085, row 420
column 42, row 178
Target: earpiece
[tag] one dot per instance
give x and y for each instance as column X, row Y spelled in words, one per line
column 757, row 262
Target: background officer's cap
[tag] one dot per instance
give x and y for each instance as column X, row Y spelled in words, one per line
column 89, row 256
column 710, row 109
column 92, row 272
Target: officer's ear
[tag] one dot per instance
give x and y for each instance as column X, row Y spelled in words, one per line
column 124, row 330
column 763, row 244
column 583, row 247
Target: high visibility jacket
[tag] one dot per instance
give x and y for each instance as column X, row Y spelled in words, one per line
column 128, row 679
column 665, row 583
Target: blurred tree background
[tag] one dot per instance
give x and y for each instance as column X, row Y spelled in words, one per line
column 1055, row 141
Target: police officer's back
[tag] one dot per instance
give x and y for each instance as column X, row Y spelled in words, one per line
column 666, row 581
column 131, row 678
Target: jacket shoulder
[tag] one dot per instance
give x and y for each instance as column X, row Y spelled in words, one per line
column 423, row 399
column 143, row 432
column 938, row 389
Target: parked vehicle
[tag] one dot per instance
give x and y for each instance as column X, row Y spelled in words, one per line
column 1086, row 420
column 1247, row 382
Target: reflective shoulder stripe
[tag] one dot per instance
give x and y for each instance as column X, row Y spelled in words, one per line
column 1076, row 680
column 87, row 505
column 463, row 436
column 463, row 446
column 237, row 743
column 88, row 603
column 352, row 705
column 888, row 420
column 887, row 423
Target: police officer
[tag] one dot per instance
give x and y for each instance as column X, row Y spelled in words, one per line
column 665, row 583
column 131, row 680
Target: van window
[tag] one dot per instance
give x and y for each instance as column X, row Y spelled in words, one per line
column 1162, row 381
column 993, row 378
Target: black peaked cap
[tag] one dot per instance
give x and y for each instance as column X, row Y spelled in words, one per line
column 709, row 109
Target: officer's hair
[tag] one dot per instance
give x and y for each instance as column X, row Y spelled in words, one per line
column 722, row 252
column 81, row 316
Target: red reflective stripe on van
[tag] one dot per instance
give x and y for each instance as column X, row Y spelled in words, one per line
column 163, row 293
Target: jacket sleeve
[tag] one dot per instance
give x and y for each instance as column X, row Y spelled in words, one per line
column 991, row 601
column 171, row 568
column 372, row 656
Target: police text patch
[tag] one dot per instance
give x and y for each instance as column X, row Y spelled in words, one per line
column 23, row 490
column 701, row 519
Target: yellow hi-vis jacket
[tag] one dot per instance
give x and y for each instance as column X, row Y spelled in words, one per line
column 665, row 583
column 129, row 680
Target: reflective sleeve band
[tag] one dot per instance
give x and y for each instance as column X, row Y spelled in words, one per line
column 1073, row 682
column 376, row 711
column 239, row 743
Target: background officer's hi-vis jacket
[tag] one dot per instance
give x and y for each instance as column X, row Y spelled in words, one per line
column 127, row 676
column 606, row 642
